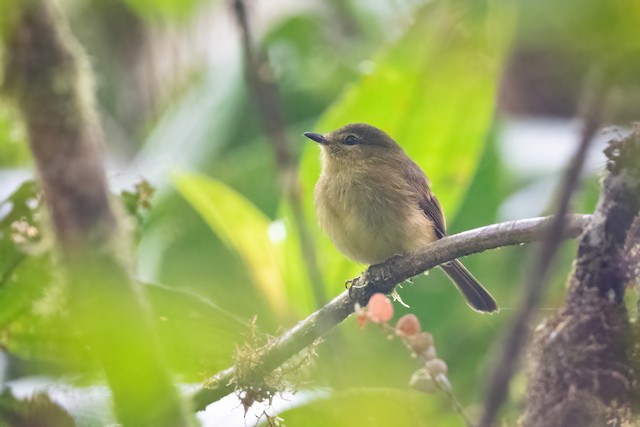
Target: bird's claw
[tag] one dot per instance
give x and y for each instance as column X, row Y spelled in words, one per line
column 351, row 284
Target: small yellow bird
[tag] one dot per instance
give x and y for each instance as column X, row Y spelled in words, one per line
column 374, row 202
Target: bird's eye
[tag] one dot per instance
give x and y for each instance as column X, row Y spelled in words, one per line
column 350, row 140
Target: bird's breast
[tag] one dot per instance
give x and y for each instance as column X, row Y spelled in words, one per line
column 370, row 218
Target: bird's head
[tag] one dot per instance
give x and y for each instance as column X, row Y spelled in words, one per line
column 355, row 142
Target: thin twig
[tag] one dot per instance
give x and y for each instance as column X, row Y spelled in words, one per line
column 383, row 278
column 536, row 281
column 265, row 92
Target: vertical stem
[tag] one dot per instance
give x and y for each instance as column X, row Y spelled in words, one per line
column 537, row 280
column 260, row 79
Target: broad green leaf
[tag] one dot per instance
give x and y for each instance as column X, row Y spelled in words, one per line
column 296, row 272
column 373, row 408
column 35, row 323
column 16, row 211
column 23, row 274
column 244, row 229
column 23, row 286
column 198, row 336
column 434, row 91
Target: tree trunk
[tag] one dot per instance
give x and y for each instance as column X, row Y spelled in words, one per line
column 585, row 367
column 49, row 78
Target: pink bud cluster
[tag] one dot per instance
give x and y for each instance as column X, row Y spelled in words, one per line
column 433, row 373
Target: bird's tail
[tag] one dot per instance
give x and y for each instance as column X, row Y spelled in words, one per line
column 476, row 295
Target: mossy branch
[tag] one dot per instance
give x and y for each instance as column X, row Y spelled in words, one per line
column 383, row 278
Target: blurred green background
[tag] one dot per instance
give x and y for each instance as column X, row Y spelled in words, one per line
column 483, row 95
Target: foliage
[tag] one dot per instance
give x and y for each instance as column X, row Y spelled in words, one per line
column 416, row 76
column 13, row 147
column 243, row 229
column 164, row 9
column 214, row 238
column 373, row 407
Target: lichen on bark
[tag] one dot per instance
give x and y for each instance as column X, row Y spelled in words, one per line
column 585, row 369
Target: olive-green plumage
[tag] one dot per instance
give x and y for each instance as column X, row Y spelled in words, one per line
column 374, row 202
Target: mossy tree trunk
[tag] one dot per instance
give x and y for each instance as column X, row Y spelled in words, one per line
column 47, row 75
column 585, row 370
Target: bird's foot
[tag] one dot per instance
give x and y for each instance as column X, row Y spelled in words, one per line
column 352, row 284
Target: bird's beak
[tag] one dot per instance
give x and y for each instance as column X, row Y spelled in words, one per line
column 320, row 139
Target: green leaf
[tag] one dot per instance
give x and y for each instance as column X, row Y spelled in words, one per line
column 167, row 9
column 603, row 28
column 23, row 286
column 434, row 91
column 373, row 407
column 198, row 336
column 23, row 275
column 8, row 18
column 296, row 274
column 14, row 150
column 35, row 322
column 244, row 229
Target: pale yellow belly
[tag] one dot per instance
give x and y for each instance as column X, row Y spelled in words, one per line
column 369, row 228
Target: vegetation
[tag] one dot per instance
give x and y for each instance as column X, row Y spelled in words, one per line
column 197, row 248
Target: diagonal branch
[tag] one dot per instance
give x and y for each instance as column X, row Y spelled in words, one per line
column 383, row 278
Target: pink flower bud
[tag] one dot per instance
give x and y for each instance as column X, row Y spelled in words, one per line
column 380, row 309
column 361, row 315
column 408, row 325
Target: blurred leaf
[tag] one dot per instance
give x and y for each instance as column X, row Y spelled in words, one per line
column 198, row 336
column 302, row 50
column 296, row 274
column 371, row 408
column 174, row 248
column 23, row 275
column 167, row 9
column 196, row 127
column 34, row 321
column 243, row 228
column 43, row 331
column 13, row 145
column 598, row 27
column 433, row 91
column 10, row 10
column 23, row 286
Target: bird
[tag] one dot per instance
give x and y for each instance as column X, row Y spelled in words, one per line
column 374, row 202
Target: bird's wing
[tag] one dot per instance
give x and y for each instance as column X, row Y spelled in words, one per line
column 426, row 199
